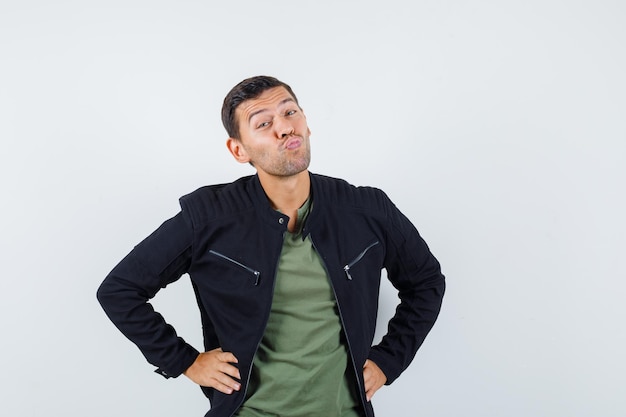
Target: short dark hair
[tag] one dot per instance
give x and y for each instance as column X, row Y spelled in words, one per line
column 248, row 89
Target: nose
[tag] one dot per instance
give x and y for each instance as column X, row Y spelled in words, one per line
column 284, row 129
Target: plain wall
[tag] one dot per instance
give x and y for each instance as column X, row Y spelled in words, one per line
column 498, row 128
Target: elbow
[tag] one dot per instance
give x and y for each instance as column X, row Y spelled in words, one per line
column 103, row 294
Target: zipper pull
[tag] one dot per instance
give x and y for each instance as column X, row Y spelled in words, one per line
column 347, row 269
column 257, row 274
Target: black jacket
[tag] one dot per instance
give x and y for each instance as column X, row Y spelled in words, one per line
column 228, row 239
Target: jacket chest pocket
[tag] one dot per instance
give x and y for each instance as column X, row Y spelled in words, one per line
column 233, row 272
column 363, row 258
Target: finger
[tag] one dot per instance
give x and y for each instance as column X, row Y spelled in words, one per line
column 367, row 381
column 227, row 357
column 368, row 374
column 228, row 381
column 226, row 388
column 370, row 391
column 230, row 370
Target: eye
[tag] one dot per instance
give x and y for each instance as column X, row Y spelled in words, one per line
column 262, row 125
column 291, row 112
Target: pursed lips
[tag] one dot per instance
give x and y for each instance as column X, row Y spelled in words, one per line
column 293, row 143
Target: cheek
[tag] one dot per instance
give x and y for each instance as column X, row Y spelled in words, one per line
column 259, row 153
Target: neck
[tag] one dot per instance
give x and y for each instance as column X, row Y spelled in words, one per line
column 287, row 194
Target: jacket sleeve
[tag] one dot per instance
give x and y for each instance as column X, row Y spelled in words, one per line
column 162, row 258
column 416, row 274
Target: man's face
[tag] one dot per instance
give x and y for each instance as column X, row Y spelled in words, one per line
column 274, row 135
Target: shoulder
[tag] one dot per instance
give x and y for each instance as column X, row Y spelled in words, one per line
column 339, row 192
column 219, row 199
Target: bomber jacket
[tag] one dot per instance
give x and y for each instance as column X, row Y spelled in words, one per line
column 228, row 239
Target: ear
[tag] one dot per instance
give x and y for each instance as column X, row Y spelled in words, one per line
column 237, row 150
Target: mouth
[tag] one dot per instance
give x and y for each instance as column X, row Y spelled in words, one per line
column 293, row 143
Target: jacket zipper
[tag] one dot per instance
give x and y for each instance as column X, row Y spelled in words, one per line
column 245, row 392
column 257, row 274
column 343, row 324
column 357, row 259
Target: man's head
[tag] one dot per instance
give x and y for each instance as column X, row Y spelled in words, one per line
column 267, row 128
column 248, row 89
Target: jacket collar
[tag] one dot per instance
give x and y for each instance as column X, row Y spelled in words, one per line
column 276, row 219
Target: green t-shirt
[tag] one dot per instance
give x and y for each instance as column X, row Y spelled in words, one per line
column 301, row 367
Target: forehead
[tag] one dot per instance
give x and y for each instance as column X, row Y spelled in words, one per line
column 267, row 101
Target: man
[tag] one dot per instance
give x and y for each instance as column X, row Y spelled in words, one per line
column 285, row 266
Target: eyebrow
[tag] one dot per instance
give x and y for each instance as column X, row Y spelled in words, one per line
column 254, row 113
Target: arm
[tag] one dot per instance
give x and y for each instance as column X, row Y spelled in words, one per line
column 416, row 274
column 157, row 261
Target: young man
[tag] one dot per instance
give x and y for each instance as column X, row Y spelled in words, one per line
column 285, row 265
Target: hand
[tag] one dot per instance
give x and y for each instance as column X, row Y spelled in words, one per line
column 374, row 378
column 214, row 369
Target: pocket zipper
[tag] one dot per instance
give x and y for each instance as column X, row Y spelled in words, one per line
column 357, row 259
column 257, row 274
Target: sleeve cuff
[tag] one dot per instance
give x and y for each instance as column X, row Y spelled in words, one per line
column 186, row 360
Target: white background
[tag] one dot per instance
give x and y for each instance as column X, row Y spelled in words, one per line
column 498, row 127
